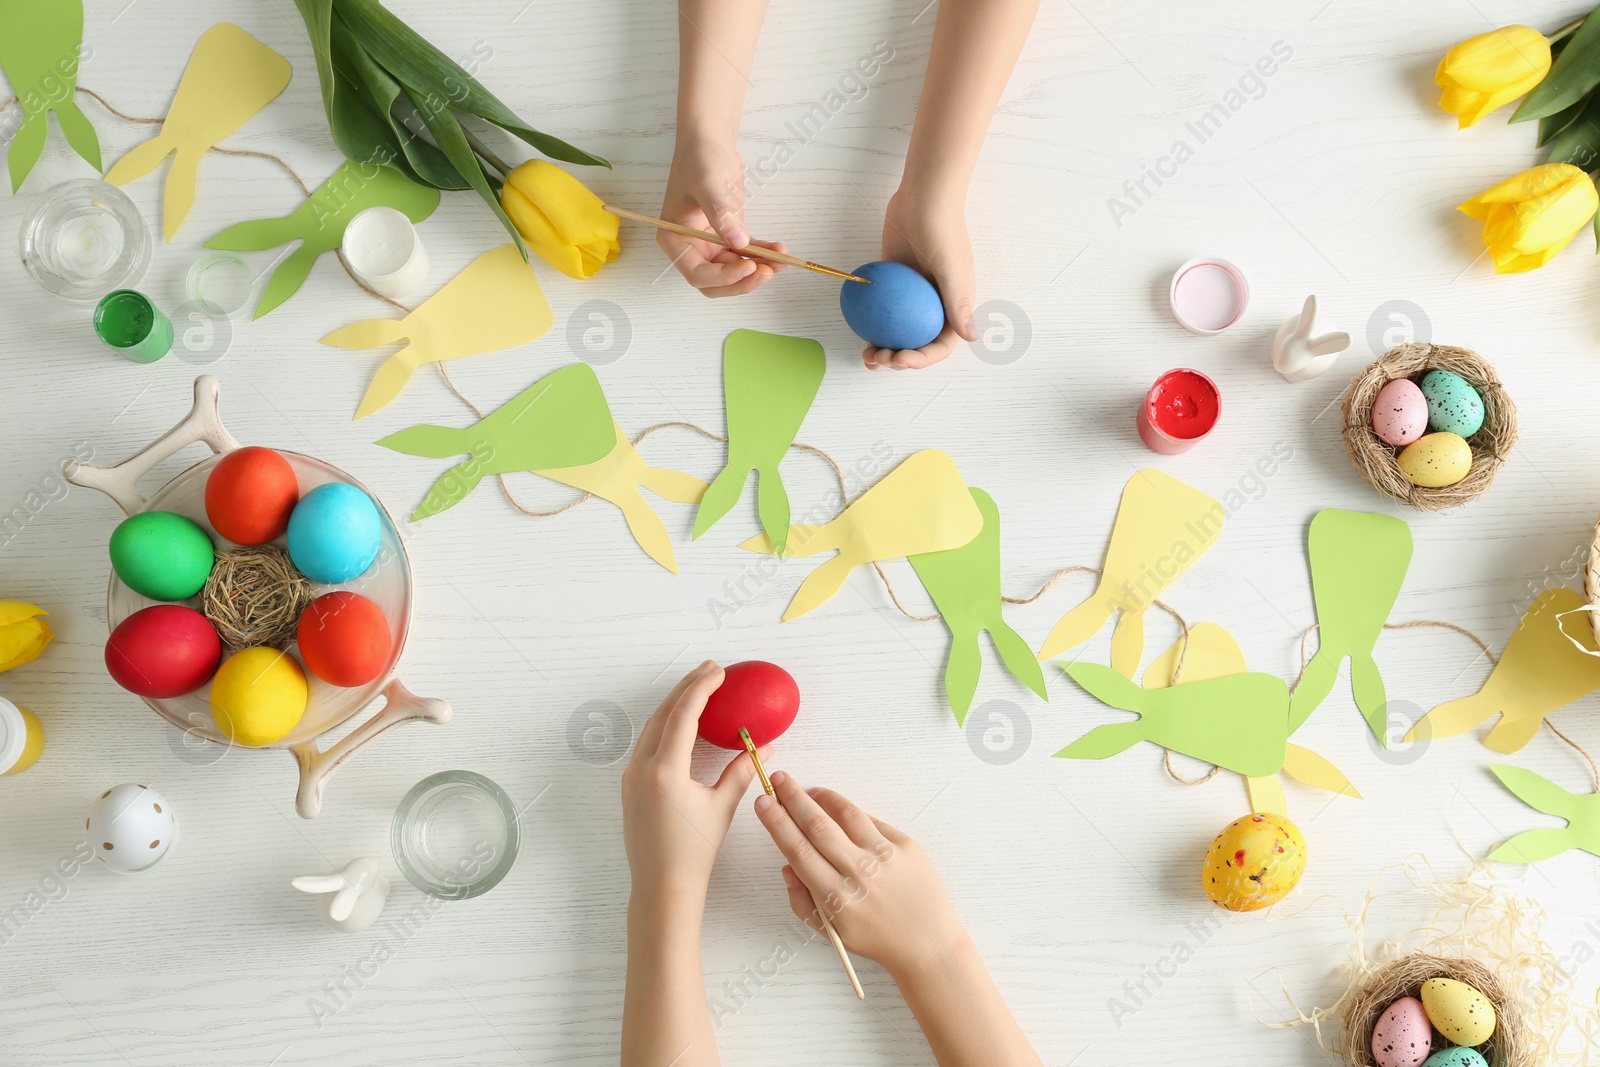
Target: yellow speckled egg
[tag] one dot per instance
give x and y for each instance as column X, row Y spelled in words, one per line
column 1436, row 460
column 1255, row 862
column 1458, row 1011
column 258, row 696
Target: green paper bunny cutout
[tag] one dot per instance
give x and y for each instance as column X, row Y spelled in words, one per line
column 1358, row 563
column 562, row 420
column 1238, row 722
column 965, row 586
column 41, row 45
column 769, row 381
column 319, row 223
column 1581, row 812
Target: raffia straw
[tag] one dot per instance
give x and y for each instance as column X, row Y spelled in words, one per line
column 1377, row 462
column 1483, row 932
column 254, row 596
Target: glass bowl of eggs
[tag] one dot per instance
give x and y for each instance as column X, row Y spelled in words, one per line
column 341, row 588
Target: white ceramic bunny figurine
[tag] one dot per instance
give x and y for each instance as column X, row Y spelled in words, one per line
column 1299, row 356
column 352, row 899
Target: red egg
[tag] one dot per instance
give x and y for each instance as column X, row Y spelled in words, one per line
column 759, row 696
column 163, row 651
column 344, row 639
column 250, row 494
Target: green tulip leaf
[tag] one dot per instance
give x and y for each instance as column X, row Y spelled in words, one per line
column 1573, row 75
column 1551, row 125
column 409, row 56
column 1579, row 143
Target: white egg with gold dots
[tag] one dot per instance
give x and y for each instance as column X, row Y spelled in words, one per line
column 131, row 827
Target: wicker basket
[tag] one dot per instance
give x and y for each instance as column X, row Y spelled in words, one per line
column 1509, row 1047
column 1377, row 461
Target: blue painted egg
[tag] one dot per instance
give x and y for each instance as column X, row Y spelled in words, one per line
column 1454, row 406
column 1456, row 1057
column 899, row 310
column 334, row 533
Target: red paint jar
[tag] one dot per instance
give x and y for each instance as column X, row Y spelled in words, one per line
column 1179, row 410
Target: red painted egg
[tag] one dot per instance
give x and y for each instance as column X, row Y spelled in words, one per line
column 344, row 639
column 163, row 651
column 759, row 696
column 250, row 495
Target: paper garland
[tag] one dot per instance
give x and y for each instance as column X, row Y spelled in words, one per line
column 41, row 45
column 1212, row 653
column 618, row 477
column 1162, row 527
column 920, row 506
column 562, row 420
column 1358, row 562
column 230, row 77
column 495, row 303
column 559, row 428
column 319, row 223
column 1539, row 672
column 965, row 586
column 1539, row 793
column 770, row 381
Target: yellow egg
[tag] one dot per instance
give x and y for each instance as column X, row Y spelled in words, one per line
column 258, row 696
column 1436, row 460
column 1254, row 863
column 1458, row 1011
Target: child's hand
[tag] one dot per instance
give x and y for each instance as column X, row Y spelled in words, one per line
column 672, row 825
column 706, row 191
column 930, row 234
column 879, row 888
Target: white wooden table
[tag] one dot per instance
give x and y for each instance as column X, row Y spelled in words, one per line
column 1337, row 175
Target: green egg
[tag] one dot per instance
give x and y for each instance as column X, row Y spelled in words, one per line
column 1454, row 406
column 161, row 555
column 1456, row 1057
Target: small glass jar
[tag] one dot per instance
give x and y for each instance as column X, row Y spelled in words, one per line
column 83, row 238
column 455, row 835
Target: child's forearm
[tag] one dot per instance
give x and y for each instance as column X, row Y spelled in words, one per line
column 961, row 1013
column 716, row 46
column 975, row 46
column 665, row 1019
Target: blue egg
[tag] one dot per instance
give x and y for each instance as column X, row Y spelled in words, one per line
column 334, row 533
column 1454, row 406
column 1456, row 1057
column 899, row 310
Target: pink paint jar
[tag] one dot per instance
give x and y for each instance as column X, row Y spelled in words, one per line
column 1179, row 410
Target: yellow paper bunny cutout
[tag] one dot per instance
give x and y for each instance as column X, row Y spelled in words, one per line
column 1162, row 527
column 1540, row 671
column 230, row 77
column 618, row 478
column 495, row 303
column 921, row 506
column 1213, row 653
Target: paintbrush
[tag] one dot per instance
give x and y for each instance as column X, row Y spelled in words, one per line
column 753, row 250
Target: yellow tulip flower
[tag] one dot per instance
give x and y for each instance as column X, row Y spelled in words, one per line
column 560, row 218
column 1529, row 218
column 23, row 634
column 1491, row 70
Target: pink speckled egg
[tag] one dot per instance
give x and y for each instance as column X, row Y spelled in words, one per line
column 1400, row 414
column 1403, row 1036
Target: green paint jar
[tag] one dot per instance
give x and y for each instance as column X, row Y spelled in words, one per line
column 128, row 322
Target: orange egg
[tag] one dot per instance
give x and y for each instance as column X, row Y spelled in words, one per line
column 344, row 639
column 250, row 495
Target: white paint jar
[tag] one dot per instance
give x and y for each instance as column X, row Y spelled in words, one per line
column 382, row 247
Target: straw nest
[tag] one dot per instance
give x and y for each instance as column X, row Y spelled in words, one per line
column 1509, row 1047
column 1377, row 461
column 1591, row 581
column 254, row 597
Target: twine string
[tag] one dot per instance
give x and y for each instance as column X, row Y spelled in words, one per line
column 883, row 576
